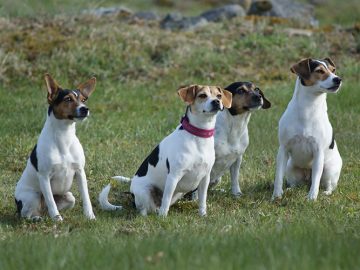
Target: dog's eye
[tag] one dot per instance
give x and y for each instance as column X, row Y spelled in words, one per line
column 202, row 96
column 84, row 100
column 320, row 71
column 219, row 96
column 67, row 99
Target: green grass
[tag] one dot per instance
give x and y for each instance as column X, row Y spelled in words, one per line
column 134, row 106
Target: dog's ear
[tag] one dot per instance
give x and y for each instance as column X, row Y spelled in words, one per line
column 330, row 64
column 52, row 88
column 302, row 68
column 226, row 98
column 87, row 87
column 266, row 102
column 188, row 93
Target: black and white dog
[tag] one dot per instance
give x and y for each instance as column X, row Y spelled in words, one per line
column 183, row 160
column 57, row 157
column 231, row 136
column 308, row 151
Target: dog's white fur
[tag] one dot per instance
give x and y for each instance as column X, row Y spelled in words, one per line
column 60, row 157
column 190, row 159
column 305, row 134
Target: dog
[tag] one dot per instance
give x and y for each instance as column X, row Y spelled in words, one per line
column 57, row 157
column 183, row 160
column 308, row 150
column 231, row 132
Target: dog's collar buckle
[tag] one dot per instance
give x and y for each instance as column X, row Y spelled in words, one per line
column 203, row 133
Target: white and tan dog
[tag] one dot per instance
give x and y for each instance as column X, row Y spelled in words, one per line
column 183, row 160
column 57, row 157
column 231, row 136
column 308, row 151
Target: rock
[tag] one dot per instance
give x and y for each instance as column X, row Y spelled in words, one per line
column 259, row 7
column 146, row 16
column 285, row 9
column 108, row 11
column 175, row 21
column 224, row 12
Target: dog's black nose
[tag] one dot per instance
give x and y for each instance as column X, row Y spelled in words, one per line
column 337, row 80
column 216, row 102
column 256, row 98
column 84, row 110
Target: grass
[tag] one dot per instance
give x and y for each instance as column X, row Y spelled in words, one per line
column 135, row 105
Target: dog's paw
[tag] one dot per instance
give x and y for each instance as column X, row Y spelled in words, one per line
column 277, row 195
column 327, row 192
column 57, row 218
column 90, row 216
column 162, row 212
column 202, row 212
column 36, row 219
column 312, row 196
column 237, row 195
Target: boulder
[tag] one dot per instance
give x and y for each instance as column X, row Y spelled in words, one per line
column 175, row 21
column 146, row 16
column 224, row 12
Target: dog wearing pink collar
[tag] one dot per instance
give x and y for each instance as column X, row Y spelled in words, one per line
column 183, row 160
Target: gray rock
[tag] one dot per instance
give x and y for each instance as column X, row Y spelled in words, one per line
column 259, row 7
column 146, row 16
column 108, row 11
column 175, row 21
column 290, row 9
column 224, row 12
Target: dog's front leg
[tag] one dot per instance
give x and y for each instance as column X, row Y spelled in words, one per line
column 45, row 187
column 316, row 173
column 234, row 173
column 170, row 186
column 281, row 161
column 202, row 191
column 84, row 193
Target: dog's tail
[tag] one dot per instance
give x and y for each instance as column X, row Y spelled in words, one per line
column 104, row 195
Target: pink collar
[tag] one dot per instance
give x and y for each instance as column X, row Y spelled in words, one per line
column 203, row 133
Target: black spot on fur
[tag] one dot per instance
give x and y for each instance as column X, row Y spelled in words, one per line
column 156, row 195
column 19, row 206
column 33, row 158
column 168, row 165
column 181, row 128
column 332, row 145
column 152, row 159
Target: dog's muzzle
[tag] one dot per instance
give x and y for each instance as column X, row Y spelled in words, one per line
column 337, row 82
column 216, row 105
column 82, row 112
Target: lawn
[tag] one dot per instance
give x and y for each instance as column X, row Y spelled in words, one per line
column 135, row 105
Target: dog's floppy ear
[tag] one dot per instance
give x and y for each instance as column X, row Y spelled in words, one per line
column 188, row 93
column 330, row 64
column 266, row 103
column 88, row 87
column 302, row 68
column 52, row 88
column 226, row 98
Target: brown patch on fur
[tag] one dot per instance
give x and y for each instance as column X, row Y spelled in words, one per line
column 52, row 88
column 66, row 109
column 302, row 68
column 309, row 77
column 87, row 87
column 188, row 93
column 241, row 102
